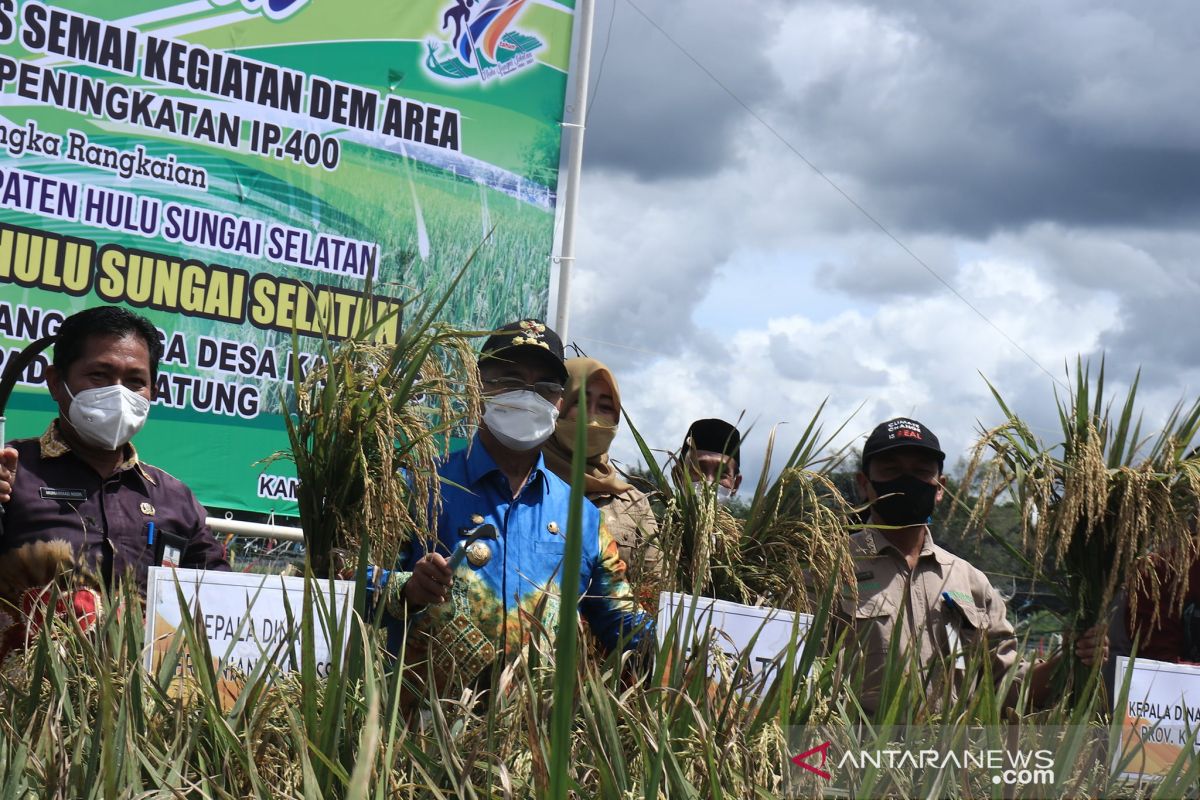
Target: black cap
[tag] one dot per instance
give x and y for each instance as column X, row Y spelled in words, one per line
column 531, row 335
column 900, row 432
column 715, row 436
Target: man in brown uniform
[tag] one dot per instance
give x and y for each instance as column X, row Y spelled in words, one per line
column 932, row 605
column 82, row 481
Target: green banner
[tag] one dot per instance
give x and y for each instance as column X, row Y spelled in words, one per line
column 237, row 169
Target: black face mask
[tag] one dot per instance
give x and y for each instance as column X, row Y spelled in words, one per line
column 911, row 501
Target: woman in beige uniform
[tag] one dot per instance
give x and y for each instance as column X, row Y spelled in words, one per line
column 625, row 510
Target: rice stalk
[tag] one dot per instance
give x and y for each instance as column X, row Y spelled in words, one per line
column 679, row 734
column 80, row 716
column 371, row 422
column 1099, row 505
column 796, row 525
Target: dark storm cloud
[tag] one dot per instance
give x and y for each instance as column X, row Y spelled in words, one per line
column 949, row 117
column 1060, row 180
column 969, row 118
column 1044, row 159
column 655, row 114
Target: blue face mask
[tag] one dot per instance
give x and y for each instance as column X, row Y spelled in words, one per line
column 909, row 500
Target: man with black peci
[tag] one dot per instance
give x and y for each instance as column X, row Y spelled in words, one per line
column 711, row 457
column 503, row 590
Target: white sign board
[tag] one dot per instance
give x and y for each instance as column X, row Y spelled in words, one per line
column 762, row 634
column 1160, row 718
column 247, row 618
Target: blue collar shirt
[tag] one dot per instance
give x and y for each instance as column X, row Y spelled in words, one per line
column 516, row 590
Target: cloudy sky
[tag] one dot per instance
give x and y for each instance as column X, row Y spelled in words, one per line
column 1043, row 159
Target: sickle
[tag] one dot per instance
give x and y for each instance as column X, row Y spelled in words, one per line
column 485, row 531
column 15, row 366
column 12, row 371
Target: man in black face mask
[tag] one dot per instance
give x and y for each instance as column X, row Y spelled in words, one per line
column 901, row 478
column 943, row 606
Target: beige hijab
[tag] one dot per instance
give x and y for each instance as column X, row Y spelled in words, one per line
column 600, row 476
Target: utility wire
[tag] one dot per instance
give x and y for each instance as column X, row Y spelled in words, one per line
column 603, row 57
column 783, row 140
column 658, row 353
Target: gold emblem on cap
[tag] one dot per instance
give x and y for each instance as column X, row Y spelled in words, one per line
column 476, row 519
column 530, row 339
column 148, row 509
column 552, row 527
column 533, row 333
column 533, row 326
column 478, row 553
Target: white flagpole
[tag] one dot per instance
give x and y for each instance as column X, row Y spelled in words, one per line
column 574, row 124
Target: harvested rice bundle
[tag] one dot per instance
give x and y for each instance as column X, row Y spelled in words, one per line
column 1096, row 505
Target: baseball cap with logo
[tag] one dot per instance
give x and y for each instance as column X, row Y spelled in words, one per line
column 529, row 336
column 900, row 432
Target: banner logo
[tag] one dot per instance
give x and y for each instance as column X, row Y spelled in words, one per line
column 482, row 41
column 272, row 9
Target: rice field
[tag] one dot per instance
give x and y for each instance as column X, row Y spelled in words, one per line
column 82, row 717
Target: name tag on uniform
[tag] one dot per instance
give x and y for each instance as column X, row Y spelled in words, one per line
column 957, row 617
column 960, row 660
column 170, row 548
column 50, row 493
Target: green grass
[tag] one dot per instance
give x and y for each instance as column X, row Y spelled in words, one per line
column 81, row 717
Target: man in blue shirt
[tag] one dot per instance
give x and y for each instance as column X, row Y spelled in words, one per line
column 506, row 589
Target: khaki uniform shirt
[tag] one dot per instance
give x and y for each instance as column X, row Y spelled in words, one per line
column 941, row 609
column 631, row 522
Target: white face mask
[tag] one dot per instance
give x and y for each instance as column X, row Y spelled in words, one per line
column 107, row 417
column 724, row 493
column 520, row 420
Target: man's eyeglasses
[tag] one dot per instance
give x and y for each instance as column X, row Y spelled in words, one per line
column 549, row 390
